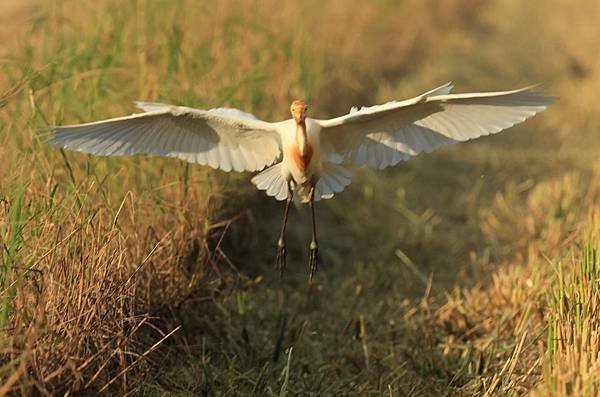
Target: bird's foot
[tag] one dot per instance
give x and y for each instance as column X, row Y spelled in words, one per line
column 280, row 260
column 312, row 264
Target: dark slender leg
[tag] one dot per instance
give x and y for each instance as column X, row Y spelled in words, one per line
column 280, row 260
column 314, row 247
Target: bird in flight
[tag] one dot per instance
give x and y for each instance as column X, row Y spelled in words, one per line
column 302, row 158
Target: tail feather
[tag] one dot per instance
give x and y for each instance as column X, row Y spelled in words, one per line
column 334, row 179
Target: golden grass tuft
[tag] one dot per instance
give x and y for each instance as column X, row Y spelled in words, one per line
column 572, row 359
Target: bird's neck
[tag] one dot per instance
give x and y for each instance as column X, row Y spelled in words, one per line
column 301, row 137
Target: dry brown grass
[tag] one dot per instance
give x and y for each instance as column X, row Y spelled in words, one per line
column 92, row 285
column 504, row 332
column 572, row 360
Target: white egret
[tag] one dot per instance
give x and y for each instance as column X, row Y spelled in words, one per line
column 310, row 155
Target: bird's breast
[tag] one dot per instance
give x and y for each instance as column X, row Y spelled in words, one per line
column 301, row 161
column 302, row 165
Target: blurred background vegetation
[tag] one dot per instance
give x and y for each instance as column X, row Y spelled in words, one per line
column 468, row 271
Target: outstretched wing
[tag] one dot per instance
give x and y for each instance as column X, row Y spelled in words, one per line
column 383, row 135
column 227, row 139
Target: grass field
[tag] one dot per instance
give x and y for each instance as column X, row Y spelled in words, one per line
column 471, row 271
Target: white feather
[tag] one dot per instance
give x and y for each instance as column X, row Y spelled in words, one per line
column 216, row 137
column 334, row 179
column 272, row 181
column 381, row 136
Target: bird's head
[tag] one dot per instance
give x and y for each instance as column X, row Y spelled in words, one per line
column 298, row 110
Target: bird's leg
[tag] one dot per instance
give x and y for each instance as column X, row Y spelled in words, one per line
column 280, row 260
column 314, row 247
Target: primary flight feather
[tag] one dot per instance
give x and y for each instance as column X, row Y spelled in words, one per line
column 311, row 155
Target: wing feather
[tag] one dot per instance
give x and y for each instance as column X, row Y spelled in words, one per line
column 334, row 179
column 383, row 135
column 228, row 139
